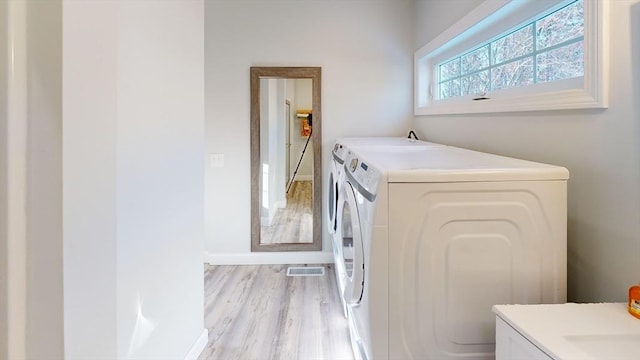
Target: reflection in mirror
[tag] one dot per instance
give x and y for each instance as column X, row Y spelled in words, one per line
column 285, row 159
column 286, row 183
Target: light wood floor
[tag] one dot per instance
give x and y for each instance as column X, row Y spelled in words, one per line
column 293, row 224
column 257, row 312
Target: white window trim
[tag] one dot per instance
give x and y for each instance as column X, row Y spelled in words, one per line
column 588, row 92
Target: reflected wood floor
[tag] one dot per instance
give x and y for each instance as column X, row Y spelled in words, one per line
column 293, row 224
column 257, row 312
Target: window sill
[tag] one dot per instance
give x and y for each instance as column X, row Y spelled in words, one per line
column 557, row 100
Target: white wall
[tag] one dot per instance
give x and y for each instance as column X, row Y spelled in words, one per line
column 44, row 321
column 303, row 101
column 365, row 51
column 269, row 164
column 31, row 226
column 440, row 14
column 601, row 149
column 133, row 80
column 89, row 165
column 4, row 211
column 5, row 51
column 13, row 167
column 289, row 94
column 281, row 118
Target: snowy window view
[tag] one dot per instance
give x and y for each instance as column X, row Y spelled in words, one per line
column 548, row 49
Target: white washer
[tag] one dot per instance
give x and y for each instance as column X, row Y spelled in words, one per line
column 336, row 178
column 435, row 237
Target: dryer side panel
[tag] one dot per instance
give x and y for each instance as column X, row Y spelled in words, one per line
column 456, row 249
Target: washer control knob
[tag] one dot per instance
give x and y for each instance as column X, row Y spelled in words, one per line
column 354, row 164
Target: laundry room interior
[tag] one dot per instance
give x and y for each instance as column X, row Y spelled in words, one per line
column 367, row 85
column 170, row 163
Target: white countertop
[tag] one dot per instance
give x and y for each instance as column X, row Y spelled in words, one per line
column 453, row 164
column 577, row 331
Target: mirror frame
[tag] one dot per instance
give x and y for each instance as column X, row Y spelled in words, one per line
column 313, row 73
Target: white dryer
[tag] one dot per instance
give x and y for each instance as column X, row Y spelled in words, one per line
column 435, row 237
column 334, row 185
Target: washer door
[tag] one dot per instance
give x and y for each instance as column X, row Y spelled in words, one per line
column 332, row 197
column 352, row 249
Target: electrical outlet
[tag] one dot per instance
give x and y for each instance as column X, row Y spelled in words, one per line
column 216, row 160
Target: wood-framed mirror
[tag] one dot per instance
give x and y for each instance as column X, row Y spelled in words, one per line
column 286, row 159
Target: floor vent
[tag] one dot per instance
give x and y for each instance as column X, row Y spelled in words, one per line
column 305, row 271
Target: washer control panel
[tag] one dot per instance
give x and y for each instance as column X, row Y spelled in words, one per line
column 363, row 173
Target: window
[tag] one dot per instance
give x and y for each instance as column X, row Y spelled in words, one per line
column 548, row 49
column 516, row 55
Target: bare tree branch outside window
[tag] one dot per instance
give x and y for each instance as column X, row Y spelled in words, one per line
column 548, row 49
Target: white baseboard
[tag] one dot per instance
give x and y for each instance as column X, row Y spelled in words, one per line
column 259, row 258
column 198, row 346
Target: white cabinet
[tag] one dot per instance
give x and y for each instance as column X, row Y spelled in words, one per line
column 566, row 332
column 511, row 345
